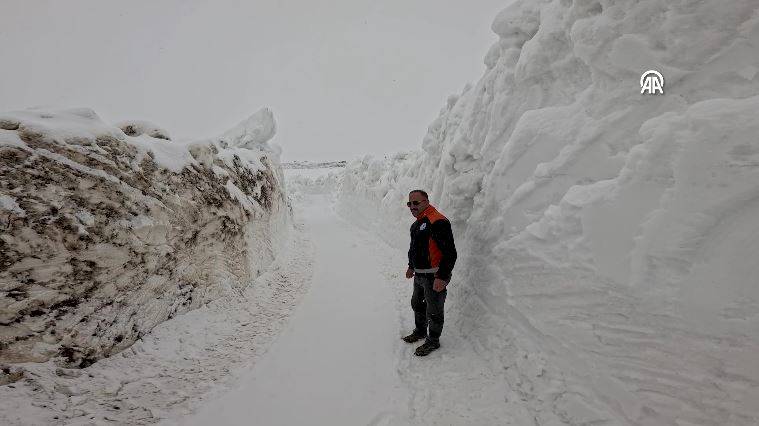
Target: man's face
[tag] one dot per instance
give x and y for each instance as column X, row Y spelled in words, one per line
column 418, row 203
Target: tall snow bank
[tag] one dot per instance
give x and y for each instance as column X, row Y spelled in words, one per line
column 105, row 235
column 612, row 233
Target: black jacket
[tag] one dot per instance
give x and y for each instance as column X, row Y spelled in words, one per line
column 432, row 244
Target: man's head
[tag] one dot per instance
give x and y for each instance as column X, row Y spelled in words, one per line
column 417, row 202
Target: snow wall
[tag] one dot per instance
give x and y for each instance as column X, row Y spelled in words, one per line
column 106, row 234
column 608, row 240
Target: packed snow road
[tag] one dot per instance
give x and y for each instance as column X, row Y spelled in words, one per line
column 335, row 361
column 340, row 360
column 314, row 340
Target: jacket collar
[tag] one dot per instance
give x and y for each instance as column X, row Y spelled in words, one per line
column 426, row 212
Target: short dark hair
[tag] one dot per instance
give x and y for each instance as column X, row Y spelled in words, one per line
column 426, row 197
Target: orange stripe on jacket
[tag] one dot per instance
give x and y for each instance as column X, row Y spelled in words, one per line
column 435, row 254
column 433, row 215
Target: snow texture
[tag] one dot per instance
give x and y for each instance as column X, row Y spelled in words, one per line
column 335, row 361
column 309, row 181
column 106, row 235
column 140, row 127
column 174, row 368
column 608, row 239
column 313, row 165
column 254, row 132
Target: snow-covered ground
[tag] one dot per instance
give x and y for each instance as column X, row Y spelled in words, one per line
column 608, row 238
column 314, row 340
column 335, row 361
column 340, row 360
column 607, row 252
column 312, row 180
column 170, row 371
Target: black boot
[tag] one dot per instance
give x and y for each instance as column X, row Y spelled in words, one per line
column 427, row 347
column 414, row 337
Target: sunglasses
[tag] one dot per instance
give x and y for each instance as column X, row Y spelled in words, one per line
column 416, row 203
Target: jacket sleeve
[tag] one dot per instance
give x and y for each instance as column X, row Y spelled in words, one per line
column 443, row 237
column 411, row 247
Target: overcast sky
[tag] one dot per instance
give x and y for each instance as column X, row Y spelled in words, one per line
column 343, row 77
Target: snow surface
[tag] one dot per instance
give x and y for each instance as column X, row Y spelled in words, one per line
column 141, row 127
column 340, row 359
column 82, row 126
column 10, row 205
column 107, row 235
column 607, row 251
column 253, row 132
column 170, row 371
column 302, row 181
column 608, row 239
column 336, row 360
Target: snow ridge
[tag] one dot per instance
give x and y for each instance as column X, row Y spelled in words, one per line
column 106, row 235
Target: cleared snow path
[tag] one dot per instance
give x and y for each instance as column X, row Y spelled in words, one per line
column 334, row 354
column 336, row 360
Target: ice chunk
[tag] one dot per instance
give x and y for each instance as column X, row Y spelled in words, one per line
column 253, row 132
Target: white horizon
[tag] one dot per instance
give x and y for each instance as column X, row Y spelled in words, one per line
column 350, row 79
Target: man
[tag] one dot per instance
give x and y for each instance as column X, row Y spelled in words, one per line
column 431, row 256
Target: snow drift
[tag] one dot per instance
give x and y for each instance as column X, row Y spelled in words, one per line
column 106, row 234
column 608, row 239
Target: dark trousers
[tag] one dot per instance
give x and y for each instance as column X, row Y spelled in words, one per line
column 428, row 306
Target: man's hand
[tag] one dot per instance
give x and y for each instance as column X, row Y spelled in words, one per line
column 409, row 272
column 439, row 285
